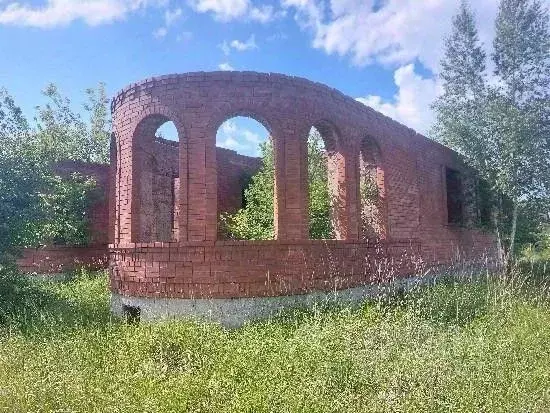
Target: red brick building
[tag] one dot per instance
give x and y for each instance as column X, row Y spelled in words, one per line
column 166, row 199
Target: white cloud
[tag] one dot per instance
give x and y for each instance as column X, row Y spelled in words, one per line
column 160, row 32
column 170, row 17
column 55, row 13
column 226, row 48
column 229, row 127
column 391, row 32
column 411, row 104
column 227, row 10
column 184, row 37
column 395, row 33
column 251, row 137
column 238, row 45
column 235, row 135
column 226, row 67
column 230, row 143
column 243, row 46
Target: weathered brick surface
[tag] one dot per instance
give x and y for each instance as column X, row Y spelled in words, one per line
column 57, row 259
column 164, row 181
column 411, row 225
column 257, row 268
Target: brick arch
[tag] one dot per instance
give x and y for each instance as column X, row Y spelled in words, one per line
column 259, row 114
column 220, row 116
column 145, row 161
column 373, row 213
column 337, row 149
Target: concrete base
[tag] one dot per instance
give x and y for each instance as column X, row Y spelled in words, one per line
column 234, row 312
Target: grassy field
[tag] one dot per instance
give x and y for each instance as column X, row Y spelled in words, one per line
column 470, row 347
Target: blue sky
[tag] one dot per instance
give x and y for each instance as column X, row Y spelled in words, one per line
column 385, row 53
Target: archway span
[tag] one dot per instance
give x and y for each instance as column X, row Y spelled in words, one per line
column 156, row 170
column 245, row 180
column 326, row 176
column 372, row 190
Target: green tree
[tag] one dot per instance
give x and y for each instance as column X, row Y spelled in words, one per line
column 36, row 205
column 63, row 134
column 519, row 106
column 320, row 224
column 502, row 131
column 255, row 220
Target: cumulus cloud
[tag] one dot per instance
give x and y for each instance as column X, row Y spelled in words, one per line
column 55, row 13
column 394, row 33
column 411, row 104
column 227, row 10
column 389, row 32
column 250, row 44
column 238, row 45
column 235, row 135
column 226, row 67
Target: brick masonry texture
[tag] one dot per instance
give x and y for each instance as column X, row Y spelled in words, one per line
column 56, row 259
column 148, row 260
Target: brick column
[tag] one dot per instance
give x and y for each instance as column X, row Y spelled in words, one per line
column 290, row 153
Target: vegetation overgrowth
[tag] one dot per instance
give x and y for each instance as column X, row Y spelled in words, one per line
column 457, row 346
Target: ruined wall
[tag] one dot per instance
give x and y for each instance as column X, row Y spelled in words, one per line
column 410, row 172
column 234, row 171
column 59, row 258
column 164, row 181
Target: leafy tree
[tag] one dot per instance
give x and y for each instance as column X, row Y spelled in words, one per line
column 63, row 134
column 501, row 129
column 519, row 106
column 36, row 205
column 320, row 225
column 255, row 220
column 464, row 89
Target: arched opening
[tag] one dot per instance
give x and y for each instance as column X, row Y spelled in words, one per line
column 320, row 225
column 372, row 193
column 245, row 180
column 156, row 180
column 326, row 181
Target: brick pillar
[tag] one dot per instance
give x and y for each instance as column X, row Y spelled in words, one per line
column 350, row 189
column 202, row 190
column 112, row 231
column 290, row 154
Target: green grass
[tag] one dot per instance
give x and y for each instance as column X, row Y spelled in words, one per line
column 474, row 347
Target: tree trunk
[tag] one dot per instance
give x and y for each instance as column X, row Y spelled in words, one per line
column 510, row 256
column 500, row 250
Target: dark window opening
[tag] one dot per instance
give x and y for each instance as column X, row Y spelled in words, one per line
column 455, row 197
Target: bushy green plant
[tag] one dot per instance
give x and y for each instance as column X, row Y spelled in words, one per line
column 255, row 220
column 38, row 206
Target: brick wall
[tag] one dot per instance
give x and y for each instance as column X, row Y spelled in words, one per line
column 231, row 269
column 408, row 168
column 164, row 173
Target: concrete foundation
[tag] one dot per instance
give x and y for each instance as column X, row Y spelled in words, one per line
column 234, row 312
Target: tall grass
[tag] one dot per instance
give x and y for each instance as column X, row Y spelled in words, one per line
column 460, row 347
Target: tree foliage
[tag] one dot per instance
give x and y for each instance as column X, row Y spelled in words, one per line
column 63, row 134
column 501, row 127
column 37, row 206
column 255, row 220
